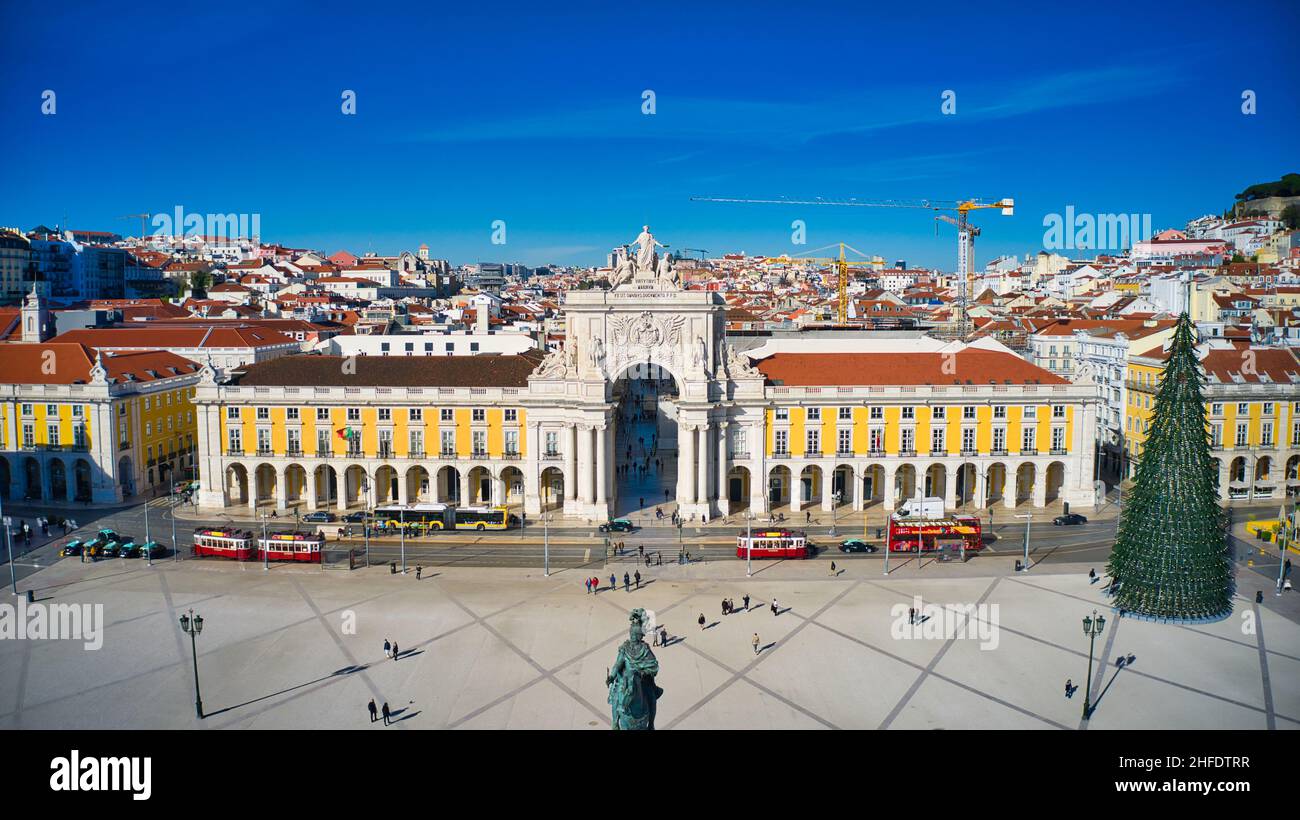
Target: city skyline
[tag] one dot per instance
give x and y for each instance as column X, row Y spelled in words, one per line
column 496, row 120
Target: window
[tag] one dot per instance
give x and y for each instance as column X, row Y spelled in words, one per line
column 416, row 442
column 1028, row 440
column 909, row 413
column 968, row 413
column 354, row 414
column 512, row 442
column 480, row 442
column 1243, row 408
column 908, row 440
column 781, row 442
column 148, row 429
column 876, row 439
column 999, row 411
column 79, row 436
column 232, row 413
column 27, row 409
column 146, row 402
column 52, row 434
column 512, row 414
column 385, row 443
column 263, row 440
column 877, row 413
column 294, row 436
column 814, row 414
column 478, row 414
column 939, row 412
column 845, row 413
column 1268, row 408
column 234, row 440
column 446, row 414
column 322, row 414
column 1266, row 434
column 814, row 441
column 51, row 409
column 1216, row 409
column 845, row 440
column 263, row 413
column 938, row 440
column 291, row 413
column 999, row 439
column 1243, row 435
column 415, row 414
column 448, row 442
column 385, row 414
column 968, row 439
column 29, row 435
column 1058, row 439
column 324, row 444
column 77, row 411
column 552, row 443
column 1058, row 411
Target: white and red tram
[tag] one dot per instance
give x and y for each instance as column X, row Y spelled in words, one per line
column 291, row 546
column 772, row 544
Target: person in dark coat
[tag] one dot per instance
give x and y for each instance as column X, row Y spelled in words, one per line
column 387, row 714
column 374, row 712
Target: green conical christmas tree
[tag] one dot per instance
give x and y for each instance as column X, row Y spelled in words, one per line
column 1171, row 556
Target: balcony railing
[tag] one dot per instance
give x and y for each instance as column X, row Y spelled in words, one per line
column 415, row 453
column 324, row 452
column 969, row 451
column 1028, row 451
column 1058, row 451
column 447, row 454
column 738, row 454
column 293, row 452
column 512, row 455
column 478, row 454
column 54, row 448
column 385, row 452
column 938, row 452
column 265, row 451
column 998, row 451
column 552, row 456
column 876, row 452
column 844, row 451
column 234, row 452
column 907, row 452
column 781, row 454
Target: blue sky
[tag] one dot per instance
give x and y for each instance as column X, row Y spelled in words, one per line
column 471, row 113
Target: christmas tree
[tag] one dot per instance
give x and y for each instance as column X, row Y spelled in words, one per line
column 1171, row 557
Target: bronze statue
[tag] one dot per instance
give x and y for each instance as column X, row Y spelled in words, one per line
column 632, row 691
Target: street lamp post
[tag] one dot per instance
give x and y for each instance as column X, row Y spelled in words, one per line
column 1285, row 533
column 546, row 544
column 9, row 546
column 835, row 509
column 749, row 543
column 192, row 625
column 266, row 547
column 176, row 550
column 1092, row 627
column 1028, row 518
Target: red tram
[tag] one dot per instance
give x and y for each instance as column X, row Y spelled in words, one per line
column 772, row 544
column 243, row 545
column 235, row 544
column 954, row 532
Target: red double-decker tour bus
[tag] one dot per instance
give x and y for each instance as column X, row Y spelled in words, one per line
column 772, row 544
column 955, row 532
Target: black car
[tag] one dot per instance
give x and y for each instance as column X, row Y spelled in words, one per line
column 319, row 516
column 351, row 518
column 1069, row 519
column 617, row 525
column 857, row 545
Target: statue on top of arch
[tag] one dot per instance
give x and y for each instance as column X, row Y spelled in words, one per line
column 645, row 264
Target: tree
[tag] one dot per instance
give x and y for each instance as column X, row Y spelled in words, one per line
column 200, row 281
column 1171, row 557
column 1291, row 217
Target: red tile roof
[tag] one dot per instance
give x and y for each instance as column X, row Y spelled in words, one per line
column 970, row 365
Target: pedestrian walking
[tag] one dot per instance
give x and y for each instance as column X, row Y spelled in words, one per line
column 388, row 648
column 724, row 607
column 396, row 652
column 701, row 621
column 627, row 582
column 387, row 713
column 663, row 636
column 832, row 567
column 419, row 571
column 745, row 599
column 587, row 583
column 1092, row 576
column 613, row 582
column 637, row 578
column 1069, row 688
column 911, row 614
column 374, row 711
column 755, row 643
column 774, row 608
column 808, row 519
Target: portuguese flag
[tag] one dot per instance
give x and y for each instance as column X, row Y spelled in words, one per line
column 347, row 434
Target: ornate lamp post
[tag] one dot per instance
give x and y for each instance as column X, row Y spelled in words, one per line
column 836, row 497
column 1092, row 627
column 192, row 625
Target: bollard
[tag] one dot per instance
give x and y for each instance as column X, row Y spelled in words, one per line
column 1259, row 596
column 392, row 567
column 31, row 597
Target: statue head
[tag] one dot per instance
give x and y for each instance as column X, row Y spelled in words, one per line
column 636, row 632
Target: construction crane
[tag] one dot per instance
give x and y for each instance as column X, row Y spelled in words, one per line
column 700, row 251
column 965, row 231
column 142, row 218
column 841, row 269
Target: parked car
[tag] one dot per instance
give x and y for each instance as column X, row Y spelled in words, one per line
column 110, row 550
column 857, row 545
column 1069, row 519
column 352, row 517
column 152, row 549
column 129, row 550
column 73, row 547
column 617, row 525
column 318, row 517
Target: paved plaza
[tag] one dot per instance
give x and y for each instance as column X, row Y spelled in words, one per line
column 497, row 648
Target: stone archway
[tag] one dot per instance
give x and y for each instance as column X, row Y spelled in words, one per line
column 81, row 480
column 779, row 486
column 904, row 484
column 511, row 482
column 552, row 489
column 58, row 480
column 646, row 438
column 418, row 489
column 237, row 484
column 736, row 496
column 448, row 485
